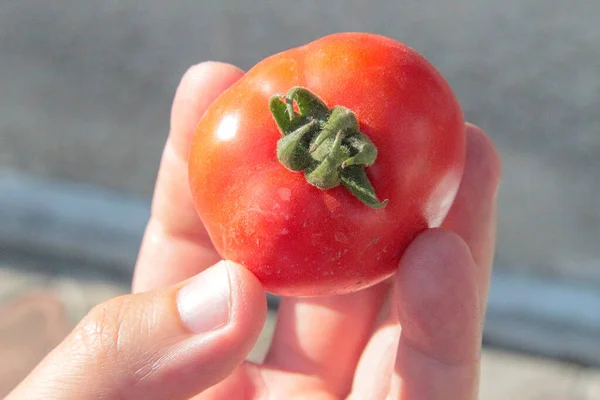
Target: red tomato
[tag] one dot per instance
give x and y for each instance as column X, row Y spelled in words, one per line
column 321, row 229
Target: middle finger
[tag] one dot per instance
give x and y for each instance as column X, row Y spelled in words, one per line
column 322, row 338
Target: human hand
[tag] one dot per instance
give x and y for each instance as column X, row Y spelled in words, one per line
column 185, row 333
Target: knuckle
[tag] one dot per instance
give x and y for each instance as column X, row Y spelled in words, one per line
column 113, row 339
column 483, row 155
column 103, row 331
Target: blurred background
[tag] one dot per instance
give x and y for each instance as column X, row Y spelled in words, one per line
column 85, row 94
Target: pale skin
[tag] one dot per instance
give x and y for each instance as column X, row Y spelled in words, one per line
column 415, row 336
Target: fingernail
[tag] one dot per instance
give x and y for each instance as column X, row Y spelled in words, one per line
column 204, row 303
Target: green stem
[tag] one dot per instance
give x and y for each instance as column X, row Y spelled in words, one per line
column 324, row 143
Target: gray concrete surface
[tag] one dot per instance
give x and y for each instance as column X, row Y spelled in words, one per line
column 85, row 91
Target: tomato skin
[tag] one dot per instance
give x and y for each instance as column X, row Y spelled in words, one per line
column 300, row 240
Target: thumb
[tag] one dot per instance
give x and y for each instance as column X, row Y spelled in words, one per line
column 167, row 344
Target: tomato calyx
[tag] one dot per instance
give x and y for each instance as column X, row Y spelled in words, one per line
column 326, row 144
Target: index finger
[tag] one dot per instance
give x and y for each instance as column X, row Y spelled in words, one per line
column 175, row 244
column 441, row 289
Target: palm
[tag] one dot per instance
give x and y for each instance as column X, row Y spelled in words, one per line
column 330, row 348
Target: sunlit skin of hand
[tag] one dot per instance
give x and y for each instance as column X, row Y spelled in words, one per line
column 415, row 336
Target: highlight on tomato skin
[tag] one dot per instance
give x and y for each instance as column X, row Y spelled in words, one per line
column 323, row 162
